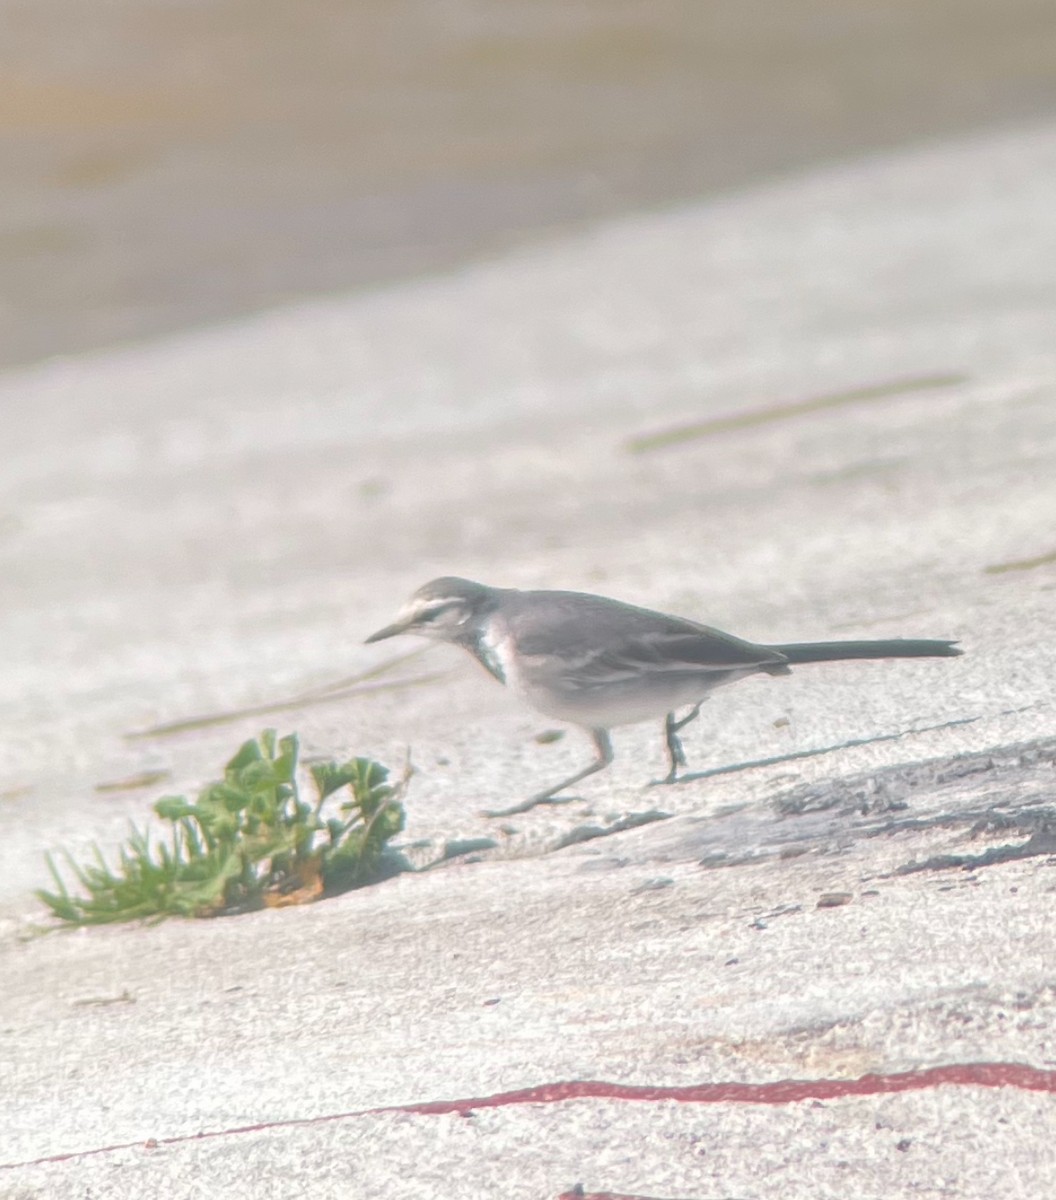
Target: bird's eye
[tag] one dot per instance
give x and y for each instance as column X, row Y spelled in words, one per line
column 434, row 610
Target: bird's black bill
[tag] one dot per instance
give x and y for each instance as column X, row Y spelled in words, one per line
column 387, row 632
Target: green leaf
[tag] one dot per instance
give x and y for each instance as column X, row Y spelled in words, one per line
column 249, row 752
column 286, row 762
column 172, row 808
column 247, row 835
column 330, row 778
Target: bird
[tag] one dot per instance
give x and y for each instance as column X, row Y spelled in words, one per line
column 599, row 663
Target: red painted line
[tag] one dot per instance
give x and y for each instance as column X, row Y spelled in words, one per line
column 581, row 1195
column 783, row 1091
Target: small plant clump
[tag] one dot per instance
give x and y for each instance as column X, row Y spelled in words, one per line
column 249, row 841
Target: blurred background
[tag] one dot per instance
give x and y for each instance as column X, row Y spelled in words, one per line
column 165, row 164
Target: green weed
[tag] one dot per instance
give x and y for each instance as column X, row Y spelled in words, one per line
column 249, row 841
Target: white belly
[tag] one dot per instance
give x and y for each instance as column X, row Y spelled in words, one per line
column 554, row 689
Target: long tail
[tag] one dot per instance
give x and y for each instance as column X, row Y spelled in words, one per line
column 806, row 652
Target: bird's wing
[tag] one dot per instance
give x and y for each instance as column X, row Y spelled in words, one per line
column 606, row 642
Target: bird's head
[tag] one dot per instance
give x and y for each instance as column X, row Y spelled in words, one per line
column 445, row 610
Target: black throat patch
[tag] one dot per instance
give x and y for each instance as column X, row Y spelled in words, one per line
column 486, row 656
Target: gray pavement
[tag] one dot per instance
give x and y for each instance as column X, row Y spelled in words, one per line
column 216, row 520
column 167, row 165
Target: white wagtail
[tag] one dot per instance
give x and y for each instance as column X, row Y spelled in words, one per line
column 598, row 663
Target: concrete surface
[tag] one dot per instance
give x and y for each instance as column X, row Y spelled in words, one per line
column 167, row 165
column 217, row 520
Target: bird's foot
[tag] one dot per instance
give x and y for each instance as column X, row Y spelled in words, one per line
column 527, row 805
column 671, row 777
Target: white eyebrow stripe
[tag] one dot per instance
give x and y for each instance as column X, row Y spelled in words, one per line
column 431, row 608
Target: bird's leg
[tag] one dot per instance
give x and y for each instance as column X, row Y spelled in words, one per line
column 604, row 748
column 676, row 756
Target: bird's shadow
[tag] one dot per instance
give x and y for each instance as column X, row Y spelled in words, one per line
column 795, row 755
